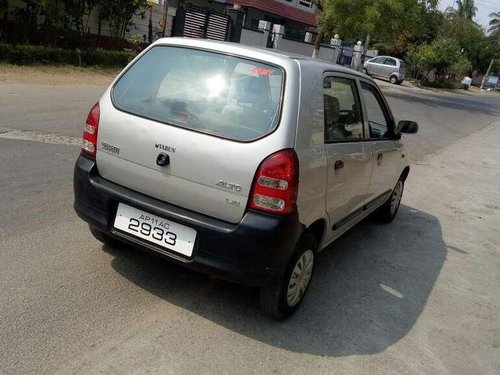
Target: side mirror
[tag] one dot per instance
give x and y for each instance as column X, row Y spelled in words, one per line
column 407, row 127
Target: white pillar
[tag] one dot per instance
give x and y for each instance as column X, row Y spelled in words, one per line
column 278, row 33
column 336, row 42
column 356, row 56
column 265, row 27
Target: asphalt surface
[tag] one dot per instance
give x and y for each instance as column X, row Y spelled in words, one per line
column 421, row 295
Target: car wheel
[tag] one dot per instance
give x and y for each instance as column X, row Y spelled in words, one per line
column 387, row 212
column 104, row 238
column 393, row 80
column 280, row 300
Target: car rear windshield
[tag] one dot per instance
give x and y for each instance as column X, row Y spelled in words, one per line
column 218, row 94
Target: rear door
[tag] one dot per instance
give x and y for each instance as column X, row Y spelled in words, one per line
column 349, row 165
column 210, row 114
column 385, row 149
column 390, row 67
column 402, row 68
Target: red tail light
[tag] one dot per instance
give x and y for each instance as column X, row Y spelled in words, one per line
column 275, row 185
column 89, row 146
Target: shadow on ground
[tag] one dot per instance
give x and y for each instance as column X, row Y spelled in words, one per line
column 368, row 290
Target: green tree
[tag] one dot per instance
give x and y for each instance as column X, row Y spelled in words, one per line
column 320, row 10
column 26, row 20
column 442, row 56
column 470, row 38
column 119, row 14
column 392, row 25
column 75, row 11
column 466, row 9
column 494, row 23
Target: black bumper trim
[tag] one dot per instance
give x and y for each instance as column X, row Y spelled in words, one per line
column 253, row 252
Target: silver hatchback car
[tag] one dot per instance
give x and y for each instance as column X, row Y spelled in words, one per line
column 238, row 162
column 386, row 67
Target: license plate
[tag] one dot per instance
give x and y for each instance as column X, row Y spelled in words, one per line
column 152, row 228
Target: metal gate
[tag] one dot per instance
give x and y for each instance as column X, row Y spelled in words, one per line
column 204, row 23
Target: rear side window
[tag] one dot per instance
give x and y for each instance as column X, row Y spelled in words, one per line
column 342, row 110
column 391, row 62
column 222, row 95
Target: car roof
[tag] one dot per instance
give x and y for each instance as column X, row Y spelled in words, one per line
column 256, row 52
column 392, row 57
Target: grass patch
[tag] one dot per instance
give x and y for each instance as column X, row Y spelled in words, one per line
column 57, row 75
column 449, row 85
column 40, row 55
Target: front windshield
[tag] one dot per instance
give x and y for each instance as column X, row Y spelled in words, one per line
column 204, row 91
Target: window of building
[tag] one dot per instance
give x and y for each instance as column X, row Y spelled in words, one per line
column 306, row 3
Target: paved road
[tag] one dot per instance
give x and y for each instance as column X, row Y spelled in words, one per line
column 443, row 118
column 418, row 296
column 48, row 109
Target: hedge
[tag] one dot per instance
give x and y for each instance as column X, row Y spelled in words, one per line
column 34, row 55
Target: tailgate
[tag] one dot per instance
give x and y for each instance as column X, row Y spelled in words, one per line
column 205, row 174
column 214, row 115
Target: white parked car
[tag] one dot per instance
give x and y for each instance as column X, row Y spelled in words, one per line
column 386, row 67
column 238, row 162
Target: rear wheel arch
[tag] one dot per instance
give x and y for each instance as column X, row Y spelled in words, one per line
column 405, row 173
column 274, row 298
column 317, row 229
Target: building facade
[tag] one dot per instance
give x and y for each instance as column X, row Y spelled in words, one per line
column 298, row 16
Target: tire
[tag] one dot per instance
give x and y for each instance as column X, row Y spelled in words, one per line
column 104, row 238
column 282, row 299
column 394, row 80
column 387, row 212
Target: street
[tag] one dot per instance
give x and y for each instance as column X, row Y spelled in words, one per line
column 419, row 296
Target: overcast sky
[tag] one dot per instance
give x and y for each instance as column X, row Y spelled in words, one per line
column 484, row 7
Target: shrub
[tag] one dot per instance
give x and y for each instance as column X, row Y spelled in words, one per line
column 446, row 84
column 442, row 56
column 107, row 59
column 31, row 55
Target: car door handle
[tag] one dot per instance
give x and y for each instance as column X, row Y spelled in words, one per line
column 339, row 164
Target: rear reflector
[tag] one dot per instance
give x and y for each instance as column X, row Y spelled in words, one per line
column 275, row 185
column 89, row 144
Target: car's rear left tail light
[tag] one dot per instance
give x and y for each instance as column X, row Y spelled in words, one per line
column 276, row 183
column 89, row 145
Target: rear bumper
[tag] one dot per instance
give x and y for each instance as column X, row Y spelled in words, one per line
column 253, row 252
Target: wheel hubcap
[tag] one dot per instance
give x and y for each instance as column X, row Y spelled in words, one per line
column 301, row 276
column 396, row 197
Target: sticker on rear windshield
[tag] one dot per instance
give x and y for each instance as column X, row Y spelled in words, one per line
column 262, row 71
